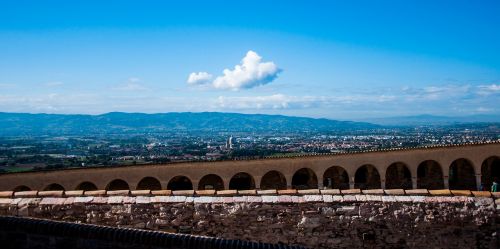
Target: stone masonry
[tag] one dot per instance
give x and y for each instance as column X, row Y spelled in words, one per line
column 315, row 220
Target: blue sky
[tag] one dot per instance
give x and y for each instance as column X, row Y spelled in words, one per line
column 334, row 59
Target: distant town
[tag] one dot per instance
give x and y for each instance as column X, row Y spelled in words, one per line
column 27, row 153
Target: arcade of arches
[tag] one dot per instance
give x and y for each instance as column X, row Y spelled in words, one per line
column 460, row 175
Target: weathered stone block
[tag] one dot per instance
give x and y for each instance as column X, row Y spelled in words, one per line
column 142, row 199
column 481, row 193
column 349, row 198
column 267, row 192
column 161, row 192
column 394, row 191
column 52, row 201
column 388, row 198
column 461, row 192
column 269, row 199
column 313, row 198
column 95, row 193
column 83, row 199
column 26, row 194
column 308, row 191
column 287, row 191
column 6, row 194
column 440, row 192
column 373, row 191
column 402, row 198
column 247, row 192
column 73, row 193
column 350, row 191
column 373, row 197
column 99, row 200
column 417, row 192
column 140, row 192
column 360, row 197
column 56, row 193
column 327, row 198
column 118, row 192
column 5, row 201
column 330, row 191
column 240, row 198
column 227, row 192
column 205, row 192
column 254, row 199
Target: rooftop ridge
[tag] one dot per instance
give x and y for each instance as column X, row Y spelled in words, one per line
column 425, row 147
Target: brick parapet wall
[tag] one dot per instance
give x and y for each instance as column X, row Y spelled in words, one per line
column 309, row 218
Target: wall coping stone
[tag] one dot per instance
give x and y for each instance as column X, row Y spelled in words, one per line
column 461, row 192
column 6, row 194
column 481, row 193
column 95, row 193
column 227, row 192
column 161, row 192
column 73, row 193
column 267, row 192
column 440, row 192
column 373, row 191
column 31, row 193
column 140, row 192
column 55, row 193
column 118, row 192
column 205, row 192
column 419, row 191
column 394, row 191
column 183, row 192
column 330, row 191
column 308, row 191
column 287, row 191
column 247, row 192
column 350, row 191
column 495, row 194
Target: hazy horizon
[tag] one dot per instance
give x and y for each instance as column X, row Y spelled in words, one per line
column 344, row 61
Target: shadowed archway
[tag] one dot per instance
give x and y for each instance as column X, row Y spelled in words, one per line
column 398, row 176
column 117, row 184
column 211, row 181
column 490, row 171
column 149, row 183
column 367, row 177
column 86, row 186
column 21, row 188
column 180, row 183
column 242, row 181
column 304, row 178
column 273, row 180
column 53, row 186
column 430, row 175
column 462, row 175
column 336, row 177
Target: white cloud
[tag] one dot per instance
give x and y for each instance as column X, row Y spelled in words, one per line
column 133, row 84
column 488, row 89
column 199, row 78
column 250, row 73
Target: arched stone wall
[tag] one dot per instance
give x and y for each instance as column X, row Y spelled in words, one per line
column 118, row 184
column 430, row 175
column 336, row 177
column 211, row 181
column 180, row 183
column 398, row 176
column 273, row 180
column 242, row 181
column 367, row 177
column 86, row 186
column 304, row 178
column 148, row 183
column 462, row 175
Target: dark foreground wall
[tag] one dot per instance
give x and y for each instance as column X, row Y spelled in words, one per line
column 314, row 221
column 20, row 233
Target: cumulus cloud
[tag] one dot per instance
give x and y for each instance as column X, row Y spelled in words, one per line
column 251, row 72
column 488, row 89
column 199, row 78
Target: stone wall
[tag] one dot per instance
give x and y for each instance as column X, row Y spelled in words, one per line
column 311, row 220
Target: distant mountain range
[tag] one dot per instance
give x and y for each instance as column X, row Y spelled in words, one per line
column 15, row 124
column 430, row 120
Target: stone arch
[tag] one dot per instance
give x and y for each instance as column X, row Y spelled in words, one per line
column 430, row 175
column 336, row 177
column 21, row 188
column 148, row 183
column 242, row 181
column 273, row 180
column 211, row 181
column 180, row 183
column 53, row 186
column 304, row 178
column 367, row 177
column 462, row 175
column 398, row 176
column 86, row 186
column 118, row 184
column 490, row 171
